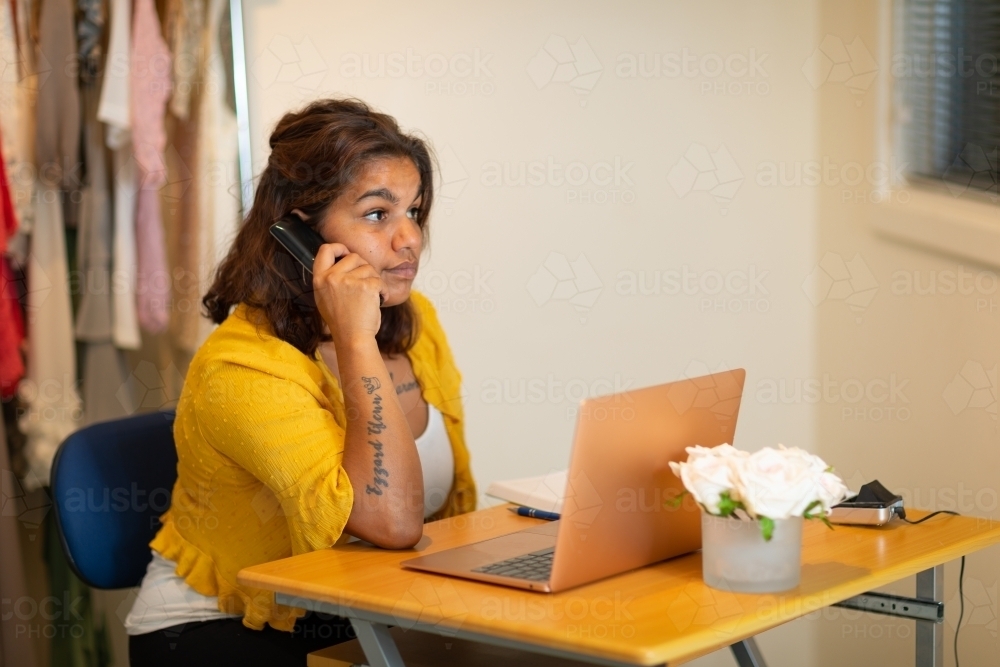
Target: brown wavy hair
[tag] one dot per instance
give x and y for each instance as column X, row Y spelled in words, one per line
column 316, row 153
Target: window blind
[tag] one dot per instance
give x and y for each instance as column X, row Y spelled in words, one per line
column 948, row 90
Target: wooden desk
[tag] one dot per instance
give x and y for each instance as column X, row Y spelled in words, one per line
column 661, row 614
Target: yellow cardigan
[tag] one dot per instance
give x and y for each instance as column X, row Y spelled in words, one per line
column 260, row 438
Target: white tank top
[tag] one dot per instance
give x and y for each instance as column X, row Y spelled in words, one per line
column 165, row 599
column 436, row 460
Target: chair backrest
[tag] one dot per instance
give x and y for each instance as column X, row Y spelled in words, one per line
column 110, row 483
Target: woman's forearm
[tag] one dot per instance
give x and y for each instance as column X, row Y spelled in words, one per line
column 380, row 456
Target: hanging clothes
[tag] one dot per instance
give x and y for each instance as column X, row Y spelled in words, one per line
column 53, row 405
column 150, row 88
column 185, row 26
column 219, row 189
column 57, row 109
column 15, row 116
column 11, row 322
column 205, row 184
column 89, row 30
column 105, row 370
column 114, row 111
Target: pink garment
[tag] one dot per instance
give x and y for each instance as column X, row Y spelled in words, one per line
column 150, row 82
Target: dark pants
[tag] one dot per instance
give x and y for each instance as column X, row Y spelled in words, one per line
column 229, row 642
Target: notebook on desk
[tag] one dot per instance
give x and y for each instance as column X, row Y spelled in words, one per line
column 615, row 515
column 544, row 492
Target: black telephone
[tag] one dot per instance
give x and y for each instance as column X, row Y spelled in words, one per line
column 298, row 238
column 301, row 240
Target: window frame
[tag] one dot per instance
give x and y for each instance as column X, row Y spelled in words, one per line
column 923, row 211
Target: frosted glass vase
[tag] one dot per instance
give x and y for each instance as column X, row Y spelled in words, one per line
column 735, row 557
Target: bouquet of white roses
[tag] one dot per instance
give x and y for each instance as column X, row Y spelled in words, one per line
column 767, row 485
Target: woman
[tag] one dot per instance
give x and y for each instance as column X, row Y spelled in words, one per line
column 311, row 416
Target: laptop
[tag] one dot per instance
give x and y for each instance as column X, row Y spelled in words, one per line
column 615, row 514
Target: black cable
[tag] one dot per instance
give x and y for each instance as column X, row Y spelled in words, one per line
column 961, row 606
column 901, row 513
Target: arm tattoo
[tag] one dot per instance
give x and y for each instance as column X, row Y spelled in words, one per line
column 371, row 384
column 375, row 426
column 406, row 386
column 380, row 472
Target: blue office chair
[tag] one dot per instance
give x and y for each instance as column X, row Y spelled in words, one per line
column 110, row 483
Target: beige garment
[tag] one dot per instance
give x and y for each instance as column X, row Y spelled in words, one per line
column 57, row 109
column 184, row 27
column 219, row 189
column 204, row 209
column 180, row 215
column 49, row 388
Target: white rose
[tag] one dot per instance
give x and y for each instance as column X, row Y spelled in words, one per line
column 708, row 473
column 832, row 491
column 776, row 483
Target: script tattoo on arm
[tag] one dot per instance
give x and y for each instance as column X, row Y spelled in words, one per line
column 376, row 425
column 406, row 386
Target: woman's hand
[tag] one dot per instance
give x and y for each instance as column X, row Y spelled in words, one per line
column 347, row 293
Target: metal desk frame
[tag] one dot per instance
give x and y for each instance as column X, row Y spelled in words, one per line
column 380, row 649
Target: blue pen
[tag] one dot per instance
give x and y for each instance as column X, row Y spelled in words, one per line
column 535, row 514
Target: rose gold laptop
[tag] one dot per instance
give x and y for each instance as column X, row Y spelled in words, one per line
column 614, row 516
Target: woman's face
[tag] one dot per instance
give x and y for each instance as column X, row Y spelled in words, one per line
column 376, row 217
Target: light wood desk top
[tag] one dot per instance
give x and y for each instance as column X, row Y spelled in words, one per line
column 663, row 613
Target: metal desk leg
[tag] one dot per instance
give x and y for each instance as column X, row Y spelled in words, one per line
column 747, row 654
column 380, row 649
column 930, row 635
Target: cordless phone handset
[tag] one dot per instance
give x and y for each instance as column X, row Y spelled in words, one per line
column 298, row 238
column 301, row 241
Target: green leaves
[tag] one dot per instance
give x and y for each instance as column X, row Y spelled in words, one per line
column 822, row 517
column 766, row 527
column 727, row 506
column 676, row 501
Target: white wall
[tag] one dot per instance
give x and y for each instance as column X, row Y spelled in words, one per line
column 928, row 442
column 507, row 328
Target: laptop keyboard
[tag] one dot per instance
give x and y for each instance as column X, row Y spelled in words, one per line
column 534, row 566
